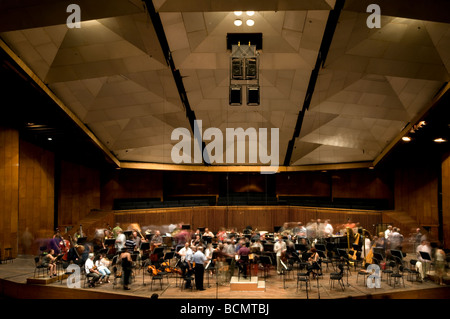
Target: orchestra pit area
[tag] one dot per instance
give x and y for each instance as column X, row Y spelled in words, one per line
column 340, row 269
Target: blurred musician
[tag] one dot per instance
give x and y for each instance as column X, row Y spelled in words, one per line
column 257, row 247
column 208, row 233
column 314, row 256
column 328, row 229
column 243, row 251
column 157, row 240
column 120, row 240
column 116, row 230
column 136, row 239
column 279, row 248
column 183, row 252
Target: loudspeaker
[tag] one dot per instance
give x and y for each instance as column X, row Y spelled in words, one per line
column 235, row 95
column 253, row 95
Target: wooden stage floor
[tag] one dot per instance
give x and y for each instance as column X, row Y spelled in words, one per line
column 14, row 276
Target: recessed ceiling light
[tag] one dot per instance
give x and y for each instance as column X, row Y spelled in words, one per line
column 406, row 138
column 440, row 140
column 250, row 22
column 250, row 13
column 50, row 139
column 237, row 22
column 238, row 13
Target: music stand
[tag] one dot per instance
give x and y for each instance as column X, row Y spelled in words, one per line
column 266, row 261
column 149, row 237
column 81, row 240
column 276, row 229
column 144, row 246
column 207, row 239
column 169, row 255
column 110, row 241
column 127, row 233
column 320, row 247
column 426, row 257
column 268, row 247
column 158, row 250
column 185, row 226
column 300, row 247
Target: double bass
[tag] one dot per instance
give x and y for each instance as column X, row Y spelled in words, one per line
column 64, row 245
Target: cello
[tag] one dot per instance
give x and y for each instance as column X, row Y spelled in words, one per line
column 64, row 245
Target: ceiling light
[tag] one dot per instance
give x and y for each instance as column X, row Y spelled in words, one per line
column 237, row 13
column 406, row 138
column 440, row 140
column 50, row 139
column 250, row 22
column 250, row 13
column 237, row 22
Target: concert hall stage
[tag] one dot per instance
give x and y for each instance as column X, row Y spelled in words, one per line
column 14, row 276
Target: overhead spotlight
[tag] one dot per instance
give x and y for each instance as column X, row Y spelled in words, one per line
column 238, row 22
column 250, row 22
column 440, row 140
column 237, row 13
column 50, row 139
column 406, row 139
column 250, row 13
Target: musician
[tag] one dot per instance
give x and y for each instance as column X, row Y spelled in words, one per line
column 257, row 247
column 189, row 259
column 388, row 232
column 195, row 234
column 49, row 260
column 396, row 239
column 243, row 251
column 279, row 248
column 130, row 243
column 102, row 265
column 314, row 256
column 199, row 259
column 422, row 265
column 127, row 266
column 116, row 230
column 197, row 241
column 157, row 239
column 91, row 271
column 120, row 239
column 300, row 230
column 380, row 241
column 136, row 238
column 311, row 229
column 183, row 252
column 328, row 229
column 208, row 233
column 209, row 251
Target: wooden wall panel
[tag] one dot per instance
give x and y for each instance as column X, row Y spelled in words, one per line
column 129, row 183
column 79, row 193
column 36, row 196
column 9, row 189
column 446, row 200
column 361, row 184
column 315, row 184
column 416, row 192
column 239, row 217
